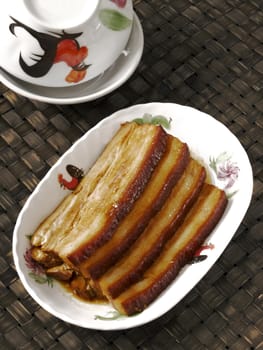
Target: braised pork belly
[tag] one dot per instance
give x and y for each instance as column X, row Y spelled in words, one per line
column 178, row 251
column 136, row 218
column 87, row 218
column 165, row 176
column 147, row 248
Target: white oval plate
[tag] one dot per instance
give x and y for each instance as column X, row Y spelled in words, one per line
column 209, row 141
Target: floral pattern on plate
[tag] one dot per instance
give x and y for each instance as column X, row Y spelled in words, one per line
column 189, row 125
column 36, row 271
column 226, row 170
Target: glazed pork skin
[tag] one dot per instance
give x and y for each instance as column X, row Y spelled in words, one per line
column 178, row 251
column 87, row 218
column 150, row 243
column 165, row 176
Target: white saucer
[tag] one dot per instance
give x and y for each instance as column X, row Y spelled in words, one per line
column 110, row 80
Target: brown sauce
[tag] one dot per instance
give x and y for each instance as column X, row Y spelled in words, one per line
column 86, row 297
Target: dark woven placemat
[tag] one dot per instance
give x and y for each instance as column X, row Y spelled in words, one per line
column 207, row 54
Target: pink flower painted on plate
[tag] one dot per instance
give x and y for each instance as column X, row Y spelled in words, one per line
column 32, row 264
column 228, row 172
column 225, row 169
column 37, row 272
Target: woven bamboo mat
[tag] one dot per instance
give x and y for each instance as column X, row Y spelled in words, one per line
column 207, row 54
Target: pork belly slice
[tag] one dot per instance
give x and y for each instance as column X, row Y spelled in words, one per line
column 178, row 251
column 164, row 177
column 149, row 245
column 86, row 219
column 62, row 219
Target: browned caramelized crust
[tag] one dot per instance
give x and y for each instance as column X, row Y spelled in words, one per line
column 149, row 245
column 87, row 218
column 136, row 218
column 178, row 251
column 166, row 174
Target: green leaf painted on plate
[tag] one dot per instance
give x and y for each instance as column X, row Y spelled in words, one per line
column 114, row 20
column 160, row 120
column 41, row 279
column 230, row 195
column 112, row 315
column 155, row 120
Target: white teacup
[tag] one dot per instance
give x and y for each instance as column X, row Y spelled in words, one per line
column 58, row 43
